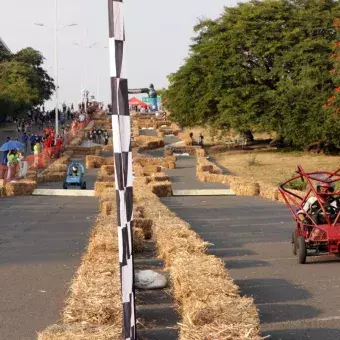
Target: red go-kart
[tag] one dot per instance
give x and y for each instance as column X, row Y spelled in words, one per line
column 318, row 232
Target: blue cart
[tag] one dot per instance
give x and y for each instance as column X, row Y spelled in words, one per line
column 75, row 178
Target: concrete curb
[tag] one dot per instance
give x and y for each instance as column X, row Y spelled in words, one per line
column 204, row 192
column 63, row 192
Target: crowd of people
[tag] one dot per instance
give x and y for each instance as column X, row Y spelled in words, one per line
column 98, row 135
column 36, row 132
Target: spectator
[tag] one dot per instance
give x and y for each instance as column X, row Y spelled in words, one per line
column 36, row 151
column 201, row 140
column 12, row 164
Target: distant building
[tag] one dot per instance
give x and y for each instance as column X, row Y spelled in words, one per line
column 3, row 46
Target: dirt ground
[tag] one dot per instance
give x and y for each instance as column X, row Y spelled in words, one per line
column 274, row 167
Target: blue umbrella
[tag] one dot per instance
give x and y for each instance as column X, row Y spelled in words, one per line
column 11, row 145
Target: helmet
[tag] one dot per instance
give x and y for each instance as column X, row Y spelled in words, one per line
column 326, row 184
column 74, row 168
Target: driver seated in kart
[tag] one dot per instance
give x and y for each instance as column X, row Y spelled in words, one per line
column 75, row 170
column 312, row 205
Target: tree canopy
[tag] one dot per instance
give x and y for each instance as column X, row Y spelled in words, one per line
column 261, row 65
column 23, row 82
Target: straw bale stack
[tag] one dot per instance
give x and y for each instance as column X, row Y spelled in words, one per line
column 165, row 162
column 269, row 191
column 107, row 148
column 149, row 170
column 138, row 240
column 161, row 189
column 160, row 177
column 145, row 224
column 51, row 177
column 31, row 175
column 200, row 153
column 243, row 187
column 101, row 186
column 108, row 170
column 168, row 152
column 208, row 299
column 20, row 188
column 2, row 187
column 93, row 162
column 56, row 167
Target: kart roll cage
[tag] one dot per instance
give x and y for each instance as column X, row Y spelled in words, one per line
column 296, row 200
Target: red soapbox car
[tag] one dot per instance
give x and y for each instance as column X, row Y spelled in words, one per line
column 318, row 232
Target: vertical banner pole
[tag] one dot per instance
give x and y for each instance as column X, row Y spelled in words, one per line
column 121, row 130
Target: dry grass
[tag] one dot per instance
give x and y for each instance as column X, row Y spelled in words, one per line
column 274, row 167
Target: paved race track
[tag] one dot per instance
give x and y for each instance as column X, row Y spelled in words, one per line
column 251, row 234
column 41, row 242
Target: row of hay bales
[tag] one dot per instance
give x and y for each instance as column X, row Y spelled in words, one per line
column 93, row 308
column 149, row 170
column 169, row 150
column 209, row 302
column 55, row 172
column 148, row 142
column 172, row 129
column 96, row 162
column 207, row 171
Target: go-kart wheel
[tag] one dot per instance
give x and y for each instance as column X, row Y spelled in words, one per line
column 83, row 186
column 301, row 250
column 294, row 242
column 64, row 185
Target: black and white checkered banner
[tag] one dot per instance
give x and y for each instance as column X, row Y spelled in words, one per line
column 121, row 130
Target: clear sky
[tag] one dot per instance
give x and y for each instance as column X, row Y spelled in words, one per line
column 158, row 37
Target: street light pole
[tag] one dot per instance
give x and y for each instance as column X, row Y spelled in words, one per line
column 56, row 71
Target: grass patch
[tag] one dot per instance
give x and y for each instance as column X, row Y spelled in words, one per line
column 276, row 167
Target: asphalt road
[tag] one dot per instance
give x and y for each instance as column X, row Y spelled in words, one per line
column 41, row 243
column 252, row 235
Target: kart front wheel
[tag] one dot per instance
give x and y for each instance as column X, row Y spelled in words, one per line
column 302, row 250
column 294, row 242
column 64, row 185
column 83, row 186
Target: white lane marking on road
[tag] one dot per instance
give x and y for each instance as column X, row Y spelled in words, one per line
column 297, row 322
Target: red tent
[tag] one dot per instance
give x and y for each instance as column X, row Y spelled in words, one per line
column 135, row 102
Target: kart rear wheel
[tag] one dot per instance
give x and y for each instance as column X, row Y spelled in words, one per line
column 64, row 185
column 294, row 242
column 302, row 250
column 83, row 186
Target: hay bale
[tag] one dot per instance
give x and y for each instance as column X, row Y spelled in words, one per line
column 139, row 212
column 160, row 177
column 107, row 170
column 200, row 153
column 138, row 240
column 145, row 224
column 32, row 175
column 244, row 188
column 56, row 167
column 2, row 187
column 107, row 148
column 168, row 152
column 269, row 192
column 101, row 186
column 161, row 189
column 94, row 162
column 20, row 188
column 51, row 177
column 149, row 170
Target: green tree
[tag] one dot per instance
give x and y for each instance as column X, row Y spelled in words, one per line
column 261, row 65
column 23, row 82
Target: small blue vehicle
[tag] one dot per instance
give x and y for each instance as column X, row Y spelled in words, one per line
column 75, row 176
